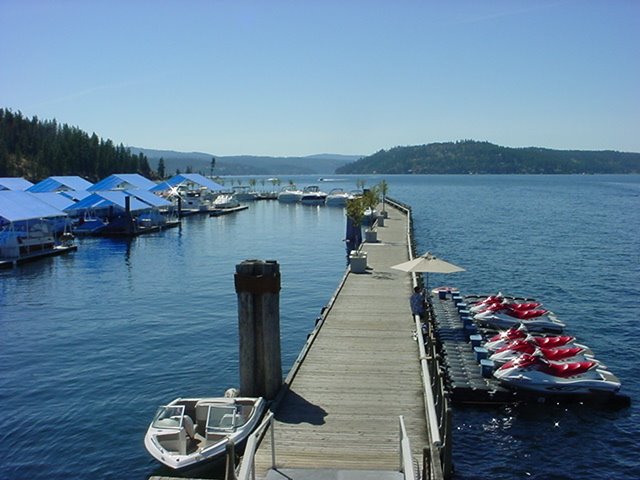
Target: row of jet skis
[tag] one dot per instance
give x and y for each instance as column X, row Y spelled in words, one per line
column 531, row 353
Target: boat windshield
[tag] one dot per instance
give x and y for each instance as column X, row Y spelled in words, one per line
column 169, row 416
column 222, row 418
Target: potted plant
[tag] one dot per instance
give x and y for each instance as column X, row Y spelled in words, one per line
column 383, row 187
column 370, row 200
column 355, row 214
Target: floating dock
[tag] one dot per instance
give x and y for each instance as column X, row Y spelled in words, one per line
column 30, row 257
column 468, row 374
column 218, row 212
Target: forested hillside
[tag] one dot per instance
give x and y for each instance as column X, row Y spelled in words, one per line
column 483, row 157
column 36, row 149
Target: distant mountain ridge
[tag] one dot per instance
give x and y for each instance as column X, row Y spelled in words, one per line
column 324, row 163
column 473, row 157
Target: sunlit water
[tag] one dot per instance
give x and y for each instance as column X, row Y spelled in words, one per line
column 91, row 343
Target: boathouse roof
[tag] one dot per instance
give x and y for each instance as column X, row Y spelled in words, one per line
column 75, row 195
column 17, row 206
column 108, row 199
column 122, row 181
column 55, row 199
column 60, row 183
column 187, row 178
column 149, row 197
column 14, row 183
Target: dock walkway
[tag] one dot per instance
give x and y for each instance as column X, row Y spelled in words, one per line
column 359, row 373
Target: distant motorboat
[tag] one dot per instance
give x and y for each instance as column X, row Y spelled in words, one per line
column 337, row 198
column 225, row 200
column 189, row 432
column 190, row 200
column 312, row 195
column 243, row 193
column 225, row 204
column 290, row 194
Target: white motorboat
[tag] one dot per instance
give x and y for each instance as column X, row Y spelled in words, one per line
column 337, row 198
column 191, row 431
column 244, row 193
column 225, row 200
column 290, row 194
column 312, row 195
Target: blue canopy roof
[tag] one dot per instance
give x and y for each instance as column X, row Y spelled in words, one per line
column 187, row 178
column 122, row 181
column 149, row 197
column 54, row 199
column 63, row 183
column 14, row 183
column 107, row 199
column 18, row 206
column 75, row 194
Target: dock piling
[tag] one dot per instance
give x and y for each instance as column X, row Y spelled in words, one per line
column 257, row 285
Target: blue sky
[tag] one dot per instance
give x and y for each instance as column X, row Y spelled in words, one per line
column 285, row 77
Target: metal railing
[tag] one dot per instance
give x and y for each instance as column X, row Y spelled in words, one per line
column 406, row 458
column 437, row 453
column 247, row 467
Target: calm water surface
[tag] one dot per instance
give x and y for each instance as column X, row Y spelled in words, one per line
column 93, row 342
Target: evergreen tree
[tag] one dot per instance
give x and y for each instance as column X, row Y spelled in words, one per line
column 161, row 168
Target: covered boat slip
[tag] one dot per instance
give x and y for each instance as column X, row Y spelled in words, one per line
column 360, row 372
column 28, row 229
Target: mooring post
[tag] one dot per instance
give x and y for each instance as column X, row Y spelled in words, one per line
column 258, row 287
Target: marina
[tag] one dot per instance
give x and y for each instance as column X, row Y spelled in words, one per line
column 153, row 312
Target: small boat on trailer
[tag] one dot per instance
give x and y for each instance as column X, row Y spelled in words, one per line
column 189, row 432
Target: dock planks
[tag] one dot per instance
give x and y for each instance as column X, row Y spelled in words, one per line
column 359, row 375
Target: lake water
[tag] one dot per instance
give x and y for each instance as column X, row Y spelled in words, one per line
column 91, row 343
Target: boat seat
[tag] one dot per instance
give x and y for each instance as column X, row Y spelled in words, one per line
column 227, row 420
column 201, row 418
column 189, row 428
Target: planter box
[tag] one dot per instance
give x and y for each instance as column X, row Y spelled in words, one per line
column 358, row 262
column 370, row 236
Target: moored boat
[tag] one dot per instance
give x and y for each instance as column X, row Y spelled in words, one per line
column 24, row 241
column 337, row 197
column 189, row 432
column 312, row 195
column 290, row 194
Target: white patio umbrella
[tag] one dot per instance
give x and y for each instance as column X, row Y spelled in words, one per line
column 428, row 263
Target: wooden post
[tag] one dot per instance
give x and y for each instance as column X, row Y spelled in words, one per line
column 129, row 229
column 258, row 288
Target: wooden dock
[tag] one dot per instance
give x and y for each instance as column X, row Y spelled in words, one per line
column 358, row 373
